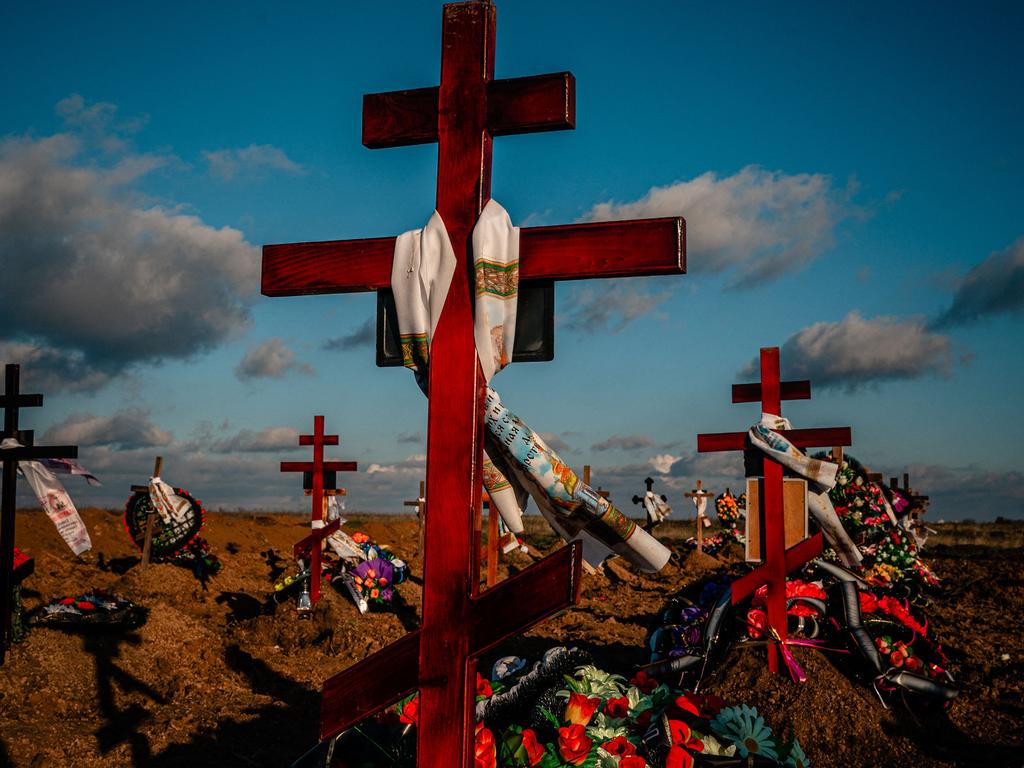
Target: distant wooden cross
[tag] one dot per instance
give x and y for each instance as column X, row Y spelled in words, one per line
column 696, row 495
column 309, row 548
column 586, row 481
column 778, row 560
column 147, row 541
column 649, row 482
column 462, row 115
column 421, row 506
column 12, row 401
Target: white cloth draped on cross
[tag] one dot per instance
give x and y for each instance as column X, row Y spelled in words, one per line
column 168, row 504
column 820, row 476
column 700, row 501
column 517, row 463
column 656, row 507
column 54, row 498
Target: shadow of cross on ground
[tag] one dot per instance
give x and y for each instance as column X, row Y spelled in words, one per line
column 462, row 115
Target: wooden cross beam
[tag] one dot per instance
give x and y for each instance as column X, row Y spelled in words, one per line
column 12, row 400
column 586, row 481
column 462, row 115
column 696, row 495
column 778, row 561
column 317, row 467
column 147, row 541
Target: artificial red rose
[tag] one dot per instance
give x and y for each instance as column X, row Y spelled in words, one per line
column 695, row 704
column 573, row 744
column 483, row 686
column 632, row 761
column 617, row 708
column 757, row 623
column 643, row 720
column 644, row 682
column 868, row 602
column 620, row 746
column 896, row 658
column 410, row 713
column 534, row 751
column 85, row 605
column 678, row 758
column 485, row 755
column 580, row 709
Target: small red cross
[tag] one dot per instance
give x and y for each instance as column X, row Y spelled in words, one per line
column 778, row 561
column 311, row 545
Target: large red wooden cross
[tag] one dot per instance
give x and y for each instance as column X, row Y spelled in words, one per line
column 309, row 547
column 778, row 561
column 12, row 401
column 458, row 624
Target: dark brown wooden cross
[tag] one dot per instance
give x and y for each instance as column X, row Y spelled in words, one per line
column 462, row 115
column 309, row 548
column 12, row 401
column 778, row 561
column 696, row 494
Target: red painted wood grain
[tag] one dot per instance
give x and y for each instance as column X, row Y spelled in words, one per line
column 801, row 438
column 514, row 105
column 569, row 252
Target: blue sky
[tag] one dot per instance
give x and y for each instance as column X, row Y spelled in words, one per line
column 850, row 178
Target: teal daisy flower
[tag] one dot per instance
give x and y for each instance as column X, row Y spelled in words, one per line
column 796, row 757
column 745, row 728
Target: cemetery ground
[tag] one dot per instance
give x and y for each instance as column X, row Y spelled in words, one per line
column 223, row 676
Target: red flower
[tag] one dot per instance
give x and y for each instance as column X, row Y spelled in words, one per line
column 632, row 761
column 677, row 758
column 85, row 605
column 620, row 746
column 483, row 686
column 617, row 708
column 644, row 682
column 580, row 709
column 868, row 602
column 485, row 755
column 534, row 751
column 411, row 711
column 682, row 737
column 757, row 623
column 573, row 744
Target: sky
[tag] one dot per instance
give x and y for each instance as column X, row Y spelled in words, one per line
column 850, row 176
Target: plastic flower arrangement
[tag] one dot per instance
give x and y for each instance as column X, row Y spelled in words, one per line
column 373, row 580
column 730, row 511
column 598, row 719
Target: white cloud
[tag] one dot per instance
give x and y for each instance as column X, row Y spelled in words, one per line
column 226, row 164
column 855, row 352
column 663, row 462
column 127, row 429
column 758, row 224
column 96, row 278
column 269, row 360
column 249, row 441
column 623, row 443
column 612, row 305
column 993, row 287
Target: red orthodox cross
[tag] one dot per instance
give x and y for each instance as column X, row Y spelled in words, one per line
column 12, row 401
column 463, row 115
column 778, row 561
column 310, row 546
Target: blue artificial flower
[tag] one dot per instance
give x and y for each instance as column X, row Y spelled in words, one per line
column 745, row 728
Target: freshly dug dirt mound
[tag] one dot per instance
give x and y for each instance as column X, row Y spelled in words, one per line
column 224, row 676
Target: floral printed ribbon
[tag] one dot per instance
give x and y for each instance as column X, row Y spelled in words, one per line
column 517, row 461
column 55, row 501
column 820, row 476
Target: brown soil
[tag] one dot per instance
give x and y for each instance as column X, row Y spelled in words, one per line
column 223, row 677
